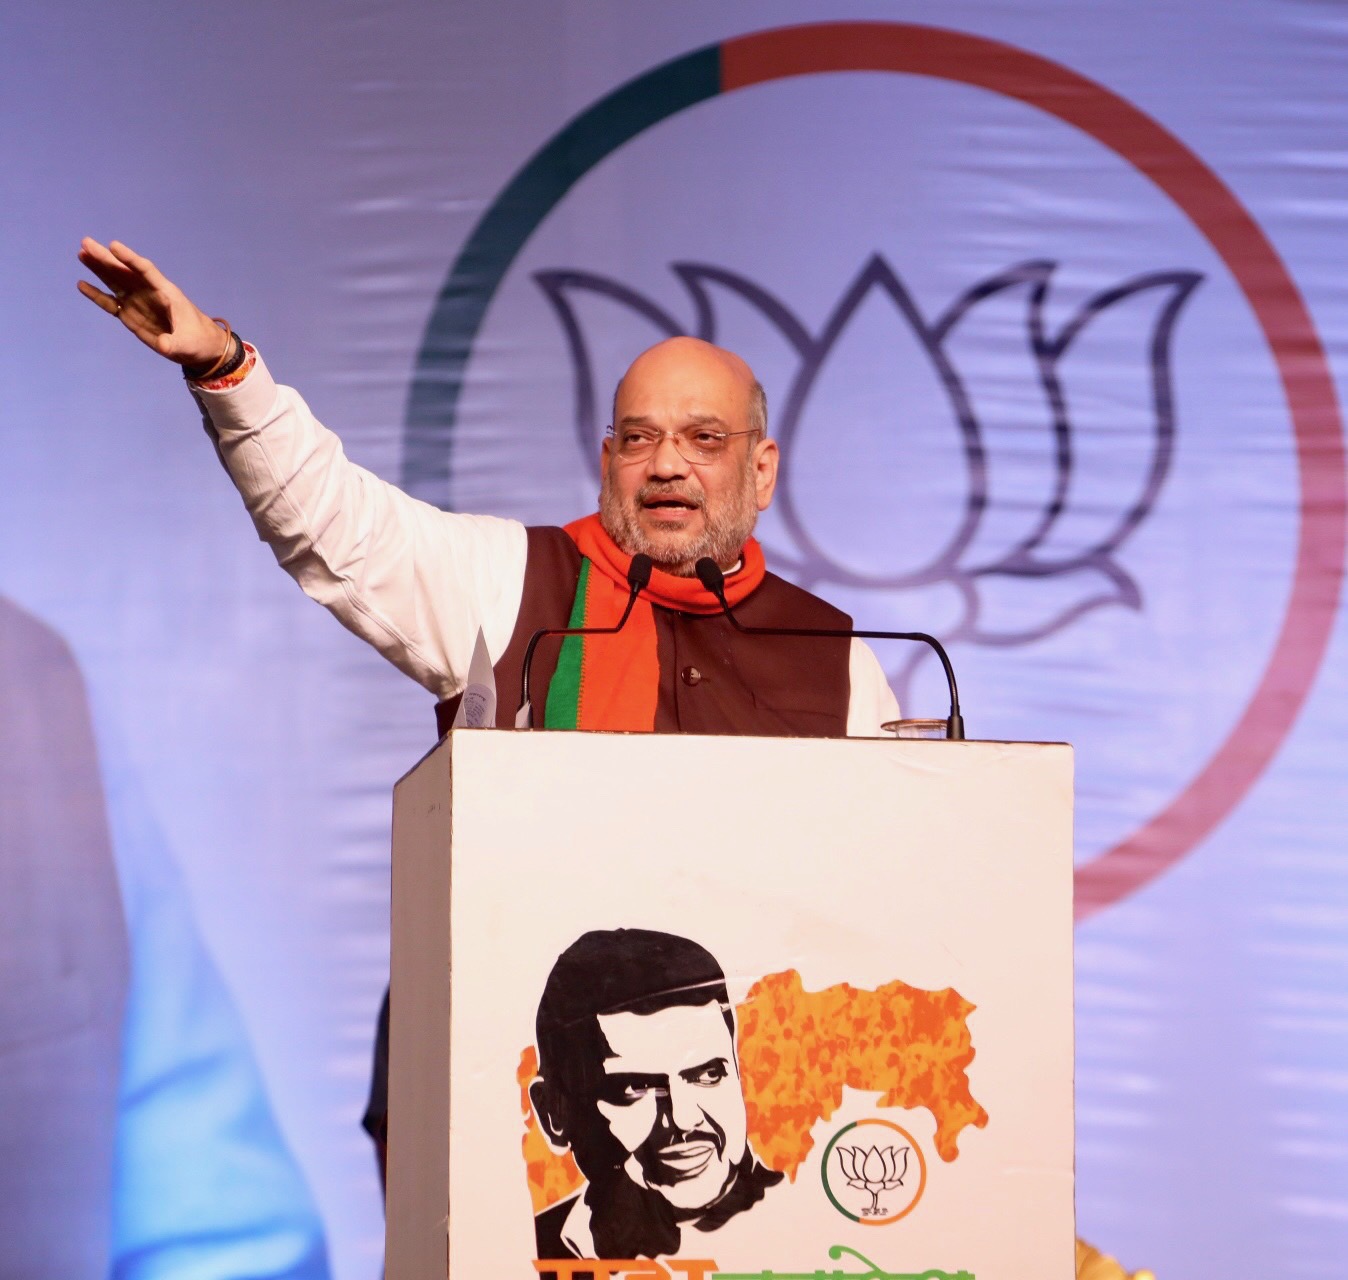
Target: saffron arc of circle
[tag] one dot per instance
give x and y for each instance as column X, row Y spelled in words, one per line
column 1278, row 307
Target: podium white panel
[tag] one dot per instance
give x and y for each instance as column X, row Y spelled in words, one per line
column 894, row 923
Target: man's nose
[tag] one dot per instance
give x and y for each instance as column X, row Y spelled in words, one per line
column 666, row 461
column 684, row 1112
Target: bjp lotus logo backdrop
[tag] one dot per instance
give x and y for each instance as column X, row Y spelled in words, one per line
column 1032, row 417
column 991, row 536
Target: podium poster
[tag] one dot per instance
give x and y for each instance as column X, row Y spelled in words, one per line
column 748, row 1007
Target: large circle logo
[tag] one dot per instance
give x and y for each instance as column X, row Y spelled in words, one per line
column 1175, row 171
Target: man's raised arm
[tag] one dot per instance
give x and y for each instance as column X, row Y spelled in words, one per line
column 413, row 581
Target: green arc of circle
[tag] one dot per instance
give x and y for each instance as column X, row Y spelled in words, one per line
column 503, row 231
column 823, row 1172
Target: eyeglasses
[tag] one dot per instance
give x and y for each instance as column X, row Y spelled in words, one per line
column 695, row 444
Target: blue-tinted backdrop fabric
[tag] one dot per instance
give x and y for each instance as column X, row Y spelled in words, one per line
column 1052, row 313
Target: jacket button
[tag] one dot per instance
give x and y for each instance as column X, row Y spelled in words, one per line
column 691, row 676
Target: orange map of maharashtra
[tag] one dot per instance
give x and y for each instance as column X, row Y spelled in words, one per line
column 798, row 1049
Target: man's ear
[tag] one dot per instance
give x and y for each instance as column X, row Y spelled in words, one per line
column 766, row 458
column 550, row 1121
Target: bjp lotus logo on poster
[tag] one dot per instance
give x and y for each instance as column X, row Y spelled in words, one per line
column 873, row 1172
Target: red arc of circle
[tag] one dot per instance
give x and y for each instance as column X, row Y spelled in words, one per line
column 1280, row 311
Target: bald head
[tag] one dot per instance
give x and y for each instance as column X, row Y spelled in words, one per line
column 707, row 370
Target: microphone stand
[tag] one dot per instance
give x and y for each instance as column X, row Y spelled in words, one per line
column 710, row 575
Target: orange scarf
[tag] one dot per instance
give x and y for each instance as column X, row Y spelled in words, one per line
column 613, row 682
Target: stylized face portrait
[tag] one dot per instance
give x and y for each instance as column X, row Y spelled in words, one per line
column 671, row 1096
column 638, row 1080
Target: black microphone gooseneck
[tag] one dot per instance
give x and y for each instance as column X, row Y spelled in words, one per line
column 638, row 577
column 710, row 575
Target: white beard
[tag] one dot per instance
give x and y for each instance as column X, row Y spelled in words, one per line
column 722, row 538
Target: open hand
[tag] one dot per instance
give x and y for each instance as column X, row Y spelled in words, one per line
column 150, row 305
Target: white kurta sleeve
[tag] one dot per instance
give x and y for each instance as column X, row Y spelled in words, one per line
column 872, row 701
column 414, row 581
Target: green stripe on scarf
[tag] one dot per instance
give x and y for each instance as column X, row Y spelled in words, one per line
column 563, row 708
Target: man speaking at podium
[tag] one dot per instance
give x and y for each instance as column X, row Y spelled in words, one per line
column 686, row 469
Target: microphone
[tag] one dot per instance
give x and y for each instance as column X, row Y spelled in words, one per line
column 638, row 578
column 710, row 575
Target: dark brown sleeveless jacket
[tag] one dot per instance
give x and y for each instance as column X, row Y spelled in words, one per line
column 712, row 678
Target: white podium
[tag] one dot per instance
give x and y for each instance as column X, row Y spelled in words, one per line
column 732, row 1007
